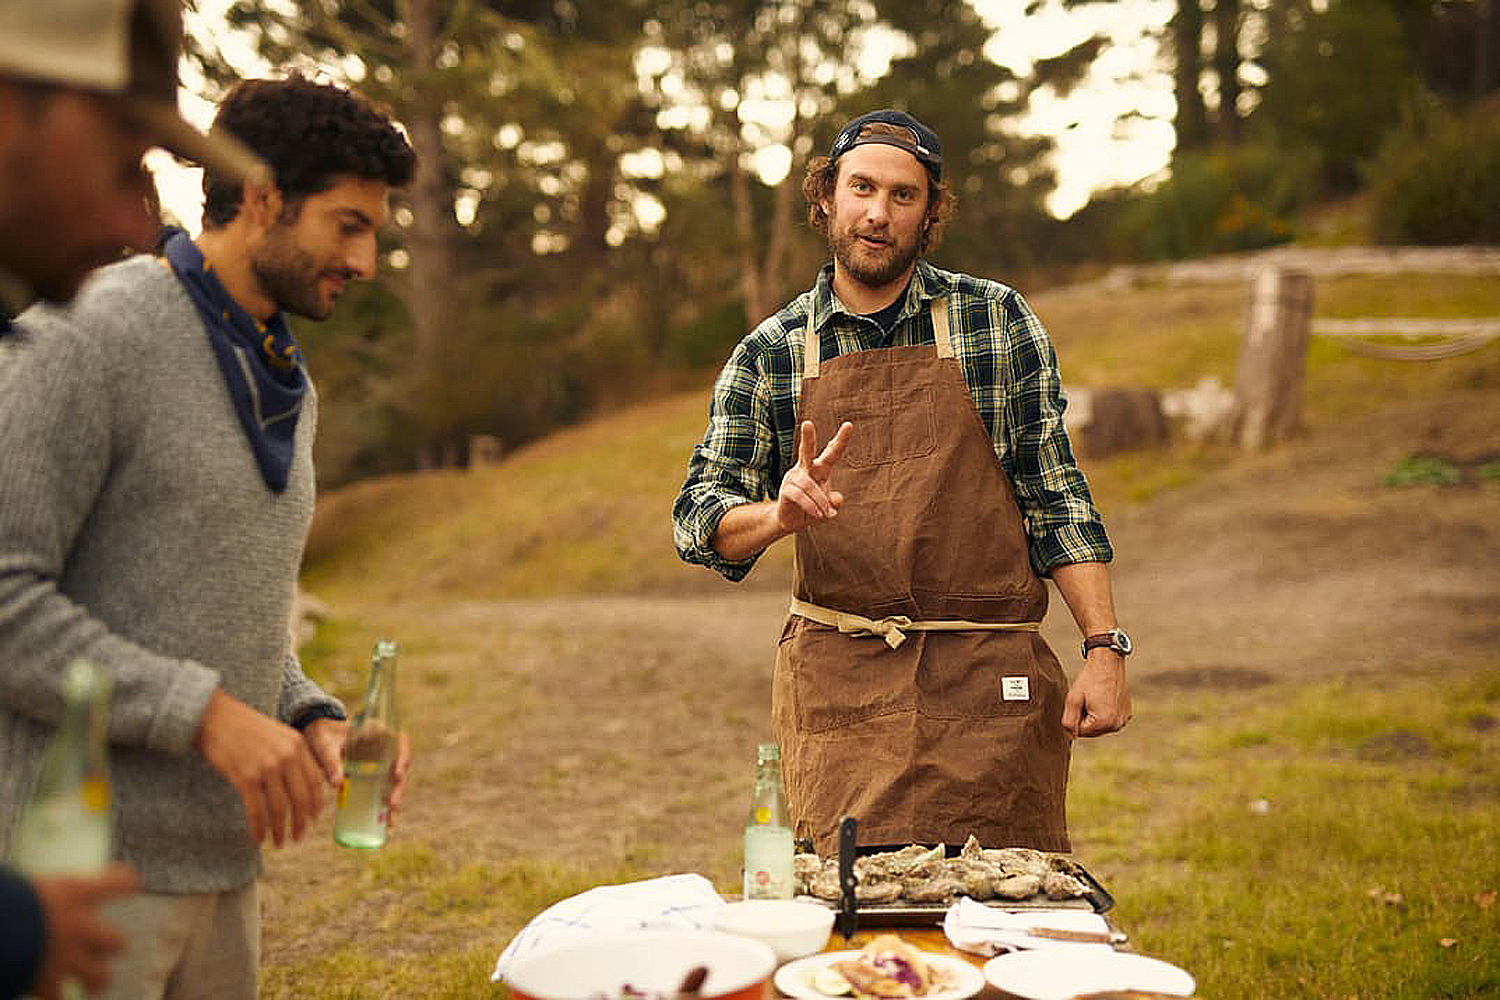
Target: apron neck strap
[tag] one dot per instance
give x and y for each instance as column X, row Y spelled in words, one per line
column 812, row 343
column 812, row 349
column 939, row 310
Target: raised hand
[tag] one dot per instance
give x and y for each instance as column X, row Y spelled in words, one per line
column 805, row 495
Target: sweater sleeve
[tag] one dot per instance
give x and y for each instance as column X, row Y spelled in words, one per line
column 25, row 934
column 299, row 693
column 58, row 431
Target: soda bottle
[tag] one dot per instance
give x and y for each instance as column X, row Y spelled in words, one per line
column 64, row 827
column 768, row 832
column 361, row 817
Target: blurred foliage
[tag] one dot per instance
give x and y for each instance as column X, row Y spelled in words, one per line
column 1438, row 179
column 610, row 193
column 1238, row 198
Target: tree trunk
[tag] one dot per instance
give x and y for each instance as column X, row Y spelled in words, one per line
column 1486, row 13
column 752, row 284
column 1227, row 68
column 1268, row 385
column 432, row 267
column 1191, row 119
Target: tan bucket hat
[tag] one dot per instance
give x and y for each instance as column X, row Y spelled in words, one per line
column 124, row 47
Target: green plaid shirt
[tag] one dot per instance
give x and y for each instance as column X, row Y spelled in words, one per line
column 1011, row 371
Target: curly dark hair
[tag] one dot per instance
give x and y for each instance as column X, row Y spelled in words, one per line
column 817, row 187
column 310, row 134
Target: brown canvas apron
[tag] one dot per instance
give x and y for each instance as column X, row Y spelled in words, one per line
column 949, row 733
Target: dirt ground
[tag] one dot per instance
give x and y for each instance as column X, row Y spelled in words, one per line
column 623, row 728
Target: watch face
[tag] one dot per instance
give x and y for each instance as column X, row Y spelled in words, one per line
column 1122, row 642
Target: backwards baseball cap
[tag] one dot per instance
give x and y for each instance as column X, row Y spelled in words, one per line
column 892, row 128
column 127, row 48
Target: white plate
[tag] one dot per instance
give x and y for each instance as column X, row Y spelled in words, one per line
column 795, row 978
column 1063, row 973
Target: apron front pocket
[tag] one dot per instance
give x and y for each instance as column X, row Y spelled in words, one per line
column 988, row 675
column 890, row 425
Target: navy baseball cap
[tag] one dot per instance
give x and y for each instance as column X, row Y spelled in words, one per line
column 900, row 130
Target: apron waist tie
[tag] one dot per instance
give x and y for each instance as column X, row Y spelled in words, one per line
column 893, row 628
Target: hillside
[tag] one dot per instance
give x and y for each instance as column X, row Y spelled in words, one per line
column 585, row 708
column 587, row 510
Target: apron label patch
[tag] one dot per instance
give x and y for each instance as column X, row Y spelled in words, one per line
column 1015, row 688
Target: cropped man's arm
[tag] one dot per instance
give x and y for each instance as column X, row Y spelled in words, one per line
column 1098, row 700
column 730, row 468
column 58, row 420
column 1062, row 523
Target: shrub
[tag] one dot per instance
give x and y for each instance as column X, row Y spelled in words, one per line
column 1437, row 180
column 1231, row 199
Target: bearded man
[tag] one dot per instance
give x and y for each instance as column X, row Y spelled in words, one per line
column 912, row 689
column 156, row 486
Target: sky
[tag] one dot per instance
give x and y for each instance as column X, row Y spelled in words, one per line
column 1096, row 146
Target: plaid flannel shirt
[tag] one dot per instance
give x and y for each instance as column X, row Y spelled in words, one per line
column 1009, row 366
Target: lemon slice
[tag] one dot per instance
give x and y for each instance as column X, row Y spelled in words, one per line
column 828, row 982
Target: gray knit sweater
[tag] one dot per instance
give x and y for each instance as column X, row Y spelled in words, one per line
column 135, row 530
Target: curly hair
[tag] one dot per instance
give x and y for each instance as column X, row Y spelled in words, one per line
column 822, row 174
column 310, row 134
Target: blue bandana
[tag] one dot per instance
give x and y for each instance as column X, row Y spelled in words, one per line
column 260, row 361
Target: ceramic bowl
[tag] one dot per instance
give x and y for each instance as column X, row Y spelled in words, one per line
column 793, row 929
column 645, row 963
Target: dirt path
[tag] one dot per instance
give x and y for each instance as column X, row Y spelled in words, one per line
column 624, row 727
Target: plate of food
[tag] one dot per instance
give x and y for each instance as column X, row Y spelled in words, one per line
column 887, row 967
column 1063, row 974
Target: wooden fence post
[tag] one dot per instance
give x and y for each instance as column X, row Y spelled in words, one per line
column 1268, row 384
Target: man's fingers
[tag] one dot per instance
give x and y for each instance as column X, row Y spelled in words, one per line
column 278, row 805
column 809, row 497
column 835, row 449
column 807, row 443
column 255, row 810
column 1072, row 713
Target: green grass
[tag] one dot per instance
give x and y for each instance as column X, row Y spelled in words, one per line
column 1363, row 875
column 420, row 929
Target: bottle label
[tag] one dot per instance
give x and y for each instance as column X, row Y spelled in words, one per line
column 768, row 862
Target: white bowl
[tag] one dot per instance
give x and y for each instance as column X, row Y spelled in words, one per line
column 793, row 929
column 651, row 962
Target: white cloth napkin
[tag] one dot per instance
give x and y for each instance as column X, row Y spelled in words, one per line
column 672, row 902
column 987, row 930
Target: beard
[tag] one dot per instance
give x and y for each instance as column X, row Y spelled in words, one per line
column 290, row 276
column 870, row 266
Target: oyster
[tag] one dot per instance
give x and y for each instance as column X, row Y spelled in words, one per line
column 881, row 890
column 1061, row 885
column 1019, row 860
column 1020, row 886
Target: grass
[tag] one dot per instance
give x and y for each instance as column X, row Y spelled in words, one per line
column 1398, row 898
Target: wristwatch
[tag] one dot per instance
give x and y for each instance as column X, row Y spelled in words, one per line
column 1114, row 639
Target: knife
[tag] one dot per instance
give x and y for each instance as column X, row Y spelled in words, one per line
column 1083, row 937
column 848, row 918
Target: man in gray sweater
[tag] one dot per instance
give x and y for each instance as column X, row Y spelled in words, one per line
column 86, row 86
column 156, row 486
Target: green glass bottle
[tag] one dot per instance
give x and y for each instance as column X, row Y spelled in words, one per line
column 64, row 827
column 768, row 832
column 362, row 817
